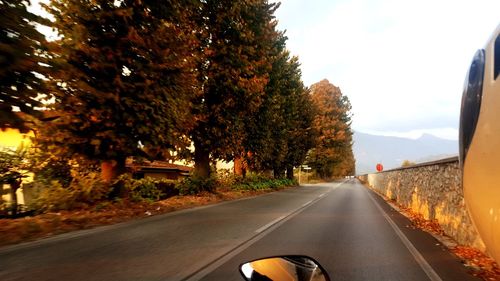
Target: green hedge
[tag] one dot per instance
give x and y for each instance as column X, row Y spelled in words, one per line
column 260, row 184
column 147, row 188
column 87, row 189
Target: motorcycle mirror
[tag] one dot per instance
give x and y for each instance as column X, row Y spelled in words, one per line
column 293, row 268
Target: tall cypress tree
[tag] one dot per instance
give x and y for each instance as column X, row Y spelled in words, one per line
column 265, row 147
column 238, row 37
column 127, row 80
column 301, row 135
column 281, row 130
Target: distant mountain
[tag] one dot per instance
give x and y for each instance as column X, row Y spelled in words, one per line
column 392, row 151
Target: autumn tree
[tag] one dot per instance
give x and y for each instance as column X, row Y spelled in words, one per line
column 23, row 61
column 302, row 135
column 237, row 38
column 126, row 78
column 281, row 129
column 266, row 148
column 332, row 153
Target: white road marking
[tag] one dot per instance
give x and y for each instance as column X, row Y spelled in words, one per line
column 261, row 232
column 269, row 224
column 307, row 203
column 433, row 276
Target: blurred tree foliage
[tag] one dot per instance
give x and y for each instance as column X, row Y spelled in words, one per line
column 281, row 129
column 126, row 78
column 237, row 39
column 148, row 78
column 407, row 163
column 49, row 167
column 332, row 154
column 300, row 112
column 23, row 60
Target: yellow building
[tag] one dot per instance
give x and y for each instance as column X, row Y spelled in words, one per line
column 11, row 139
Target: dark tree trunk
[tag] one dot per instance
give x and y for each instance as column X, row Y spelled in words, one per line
column 112, row 169
column 201, row 161
column 278, row 173
column 289, row 172
column 240, row 167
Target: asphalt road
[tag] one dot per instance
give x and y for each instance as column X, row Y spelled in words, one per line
column 348, row 229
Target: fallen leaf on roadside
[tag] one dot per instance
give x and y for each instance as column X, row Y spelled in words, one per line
column 479, row 263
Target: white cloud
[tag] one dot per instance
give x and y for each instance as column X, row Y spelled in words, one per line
column 401, row 63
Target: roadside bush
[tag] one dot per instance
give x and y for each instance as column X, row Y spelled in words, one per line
column 168, row 188
column 89, row 187
column 84, row 189
column 146, row 188
column 261, row 183
column 227, row 178
column 193, row 185
column 138, row 189
column 54, row 197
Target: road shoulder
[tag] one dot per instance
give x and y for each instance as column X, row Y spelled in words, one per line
column 447, row 265
column 69, row 224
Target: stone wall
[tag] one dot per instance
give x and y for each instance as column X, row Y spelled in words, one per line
column 433, row 190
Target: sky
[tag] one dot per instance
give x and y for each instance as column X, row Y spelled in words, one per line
column 401, row 63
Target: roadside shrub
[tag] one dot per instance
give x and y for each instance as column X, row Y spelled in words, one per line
column 193, row 185
column 139, row 189
column 144, row 189
column 168, row 188
column 148, row 188
column 261, row 183
column 227, row 178
column 89, row 187
column 254, row 178
column 84, row 189
column 54, row 197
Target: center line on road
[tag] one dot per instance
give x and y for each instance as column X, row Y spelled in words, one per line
column 322, row 195
column 269, row 224
column 307, row 203
column 260, row 233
